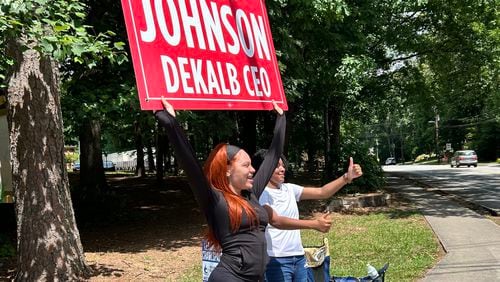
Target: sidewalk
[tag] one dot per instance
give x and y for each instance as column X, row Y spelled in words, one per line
column 471, row 241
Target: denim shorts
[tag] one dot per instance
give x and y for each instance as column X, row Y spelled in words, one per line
column 286, row 269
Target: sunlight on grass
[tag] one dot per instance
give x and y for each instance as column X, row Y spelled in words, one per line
column 401, row 238
column 193, row 274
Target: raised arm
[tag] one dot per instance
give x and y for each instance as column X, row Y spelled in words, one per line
column 273, row 155
column 326, row 191
column 322, row 223
column 186, row 157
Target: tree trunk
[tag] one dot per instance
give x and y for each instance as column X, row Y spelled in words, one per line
column 151, row 158
column 160, row 153
column 92, row 179
column 140, row 170
column 48, row 241
column 310, row 144
column 333, row 116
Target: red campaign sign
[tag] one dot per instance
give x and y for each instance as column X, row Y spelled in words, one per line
column 203, row 54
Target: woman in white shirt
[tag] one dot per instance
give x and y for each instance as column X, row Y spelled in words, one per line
column 284, row 247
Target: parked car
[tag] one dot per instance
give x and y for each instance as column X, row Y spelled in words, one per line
column 390, row 161
column 464, row 157
column 76, row 166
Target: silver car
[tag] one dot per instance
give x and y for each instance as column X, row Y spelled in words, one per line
column 464, row 157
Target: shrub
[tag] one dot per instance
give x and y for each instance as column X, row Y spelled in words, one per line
column 422, row 157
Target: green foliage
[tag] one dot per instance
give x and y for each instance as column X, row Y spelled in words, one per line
column 422, row 157
column 372, row 178
column 55, row 28
column 71, row 157
column 6, row 248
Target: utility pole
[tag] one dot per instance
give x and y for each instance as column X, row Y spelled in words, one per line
column 436, row 126
column 436, row 123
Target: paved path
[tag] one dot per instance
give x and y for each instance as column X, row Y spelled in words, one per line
column 471, row 241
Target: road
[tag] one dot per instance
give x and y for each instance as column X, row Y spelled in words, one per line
column 479, row 185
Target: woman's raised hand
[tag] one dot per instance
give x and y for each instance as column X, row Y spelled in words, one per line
column 277, row 108
column 168, row 107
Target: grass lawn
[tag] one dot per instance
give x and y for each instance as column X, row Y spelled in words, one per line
column 400, row 237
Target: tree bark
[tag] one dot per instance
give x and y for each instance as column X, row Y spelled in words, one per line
column 140, row 170
column 333, row 116
column 92, row 178
column 48, row 241
column 151, row 158
column 160, row 153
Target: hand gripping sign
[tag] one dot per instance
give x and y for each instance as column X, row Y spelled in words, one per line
column 203, row 54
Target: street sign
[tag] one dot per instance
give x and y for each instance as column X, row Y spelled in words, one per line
column 448, row 146
column 203, row 54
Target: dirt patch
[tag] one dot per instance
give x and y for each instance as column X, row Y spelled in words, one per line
column 156, row 237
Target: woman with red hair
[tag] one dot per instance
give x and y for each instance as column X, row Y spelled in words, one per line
column 227, row 190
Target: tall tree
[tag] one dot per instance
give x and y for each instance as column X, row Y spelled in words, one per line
column 33, row 34
column 49, row 246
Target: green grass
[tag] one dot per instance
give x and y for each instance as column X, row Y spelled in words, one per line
column 401, row 238
column 193, row 274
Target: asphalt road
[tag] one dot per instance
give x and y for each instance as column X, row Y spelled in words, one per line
column 479, row 185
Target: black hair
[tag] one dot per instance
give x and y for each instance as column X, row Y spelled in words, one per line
column 259, row 156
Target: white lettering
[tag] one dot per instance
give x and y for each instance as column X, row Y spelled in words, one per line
column 256, row 81
column 184, row 75
column 149, row 34
column 174, row 38
column 246, row 69
column 233, row 79
column 213, row 26
column 192, row 21
column 266, row 84
column 168, row 64
column 256, row 85
column 260, row 37
column 235, row 47
column 225, row 91
column 212, row 79
column 241, row 18
column 199, row 83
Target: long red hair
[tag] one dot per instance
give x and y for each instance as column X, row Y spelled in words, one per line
column 215, row 170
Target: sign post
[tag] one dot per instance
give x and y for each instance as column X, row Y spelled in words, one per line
column 203, row 54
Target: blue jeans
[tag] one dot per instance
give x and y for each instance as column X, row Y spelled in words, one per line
column 286, row 269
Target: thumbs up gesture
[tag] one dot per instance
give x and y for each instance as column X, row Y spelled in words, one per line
column 354, row 171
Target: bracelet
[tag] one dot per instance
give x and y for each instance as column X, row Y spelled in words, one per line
column 346, row 179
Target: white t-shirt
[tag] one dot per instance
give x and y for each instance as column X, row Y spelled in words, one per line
column 283, row 243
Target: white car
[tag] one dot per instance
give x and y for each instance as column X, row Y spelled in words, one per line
column 390, row 161
column 464, row 157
